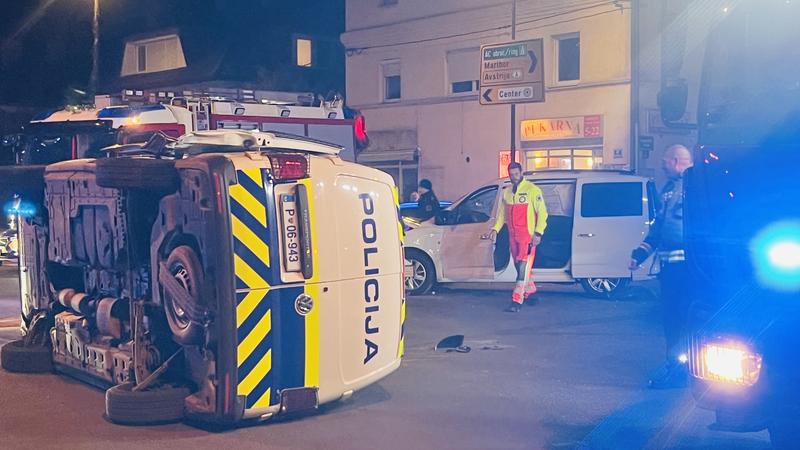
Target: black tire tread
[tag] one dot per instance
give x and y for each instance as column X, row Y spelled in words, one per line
column 160, row 405
column 193, row 334
column 18, row 358
column 431, row 280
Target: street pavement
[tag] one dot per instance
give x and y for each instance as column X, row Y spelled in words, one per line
column 567, row 373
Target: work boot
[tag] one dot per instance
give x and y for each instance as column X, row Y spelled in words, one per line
column 514, row 307
column 530, row 293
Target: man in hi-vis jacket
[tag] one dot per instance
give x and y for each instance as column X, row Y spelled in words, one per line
column 524, row 212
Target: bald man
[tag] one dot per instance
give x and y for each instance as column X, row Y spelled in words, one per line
column 666, row 240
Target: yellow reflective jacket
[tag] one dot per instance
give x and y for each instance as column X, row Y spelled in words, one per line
column 522, row 211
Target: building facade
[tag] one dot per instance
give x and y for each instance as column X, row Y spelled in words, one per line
column 277, row 50
column 413, row 69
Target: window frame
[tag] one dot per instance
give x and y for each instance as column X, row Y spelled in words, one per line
column 557, row 39
column 141, row 58
column 476, row 193
column 624, row 214
column 384, row 78
column 474, row 83
column 312, row 53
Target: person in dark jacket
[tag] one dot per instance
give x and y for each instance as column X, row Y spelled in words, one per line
column 665, row 239
column 428, row 203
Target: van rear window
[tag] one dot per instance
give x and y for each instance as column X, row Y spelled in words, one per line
column 611, row 199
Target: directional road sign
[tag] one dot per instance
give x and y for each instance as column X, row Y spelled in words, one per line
column 512, row 72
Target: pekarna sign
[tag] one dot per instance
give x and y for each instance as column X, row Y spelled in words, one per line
column 561, row 128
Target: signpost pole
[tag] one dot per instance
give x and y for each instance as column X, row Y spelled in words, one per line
column 513, row 105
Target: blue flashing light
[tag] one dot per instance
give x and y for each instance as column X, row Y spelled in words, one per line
column 776, row 256
column 119, row 112
column 20, row 208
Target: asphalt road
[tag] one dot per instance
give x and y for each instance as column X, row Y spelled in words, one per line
column 567, row 373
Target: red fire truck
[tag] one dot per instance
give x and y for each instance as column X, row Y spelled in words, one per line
column 135, row 116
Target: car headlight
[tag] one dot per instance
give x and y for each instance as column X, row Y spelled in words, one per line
column 727, row 362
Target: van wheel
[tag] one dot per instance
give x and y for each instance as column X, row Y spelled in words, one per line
column 17, row 357
column 185, row 267
column 137, row 173
column 163, row 404
column 604, row 287
column 419, row 272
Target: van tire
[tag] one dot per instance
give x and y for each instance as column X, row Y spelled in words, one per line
column 604, row 287
column 137, row 173
column 185, row 266
column 164, row 404
column 422, row 269
column 19, row 358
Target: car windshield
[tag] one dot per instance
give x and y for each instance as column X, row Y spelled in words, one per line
column 45, row 143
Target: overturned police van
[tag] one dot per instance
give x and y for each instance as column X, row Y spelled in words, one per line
column 225, row 276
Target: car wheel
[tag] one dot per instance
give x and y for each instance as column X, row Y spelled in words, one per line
column 604, row 287
column 162, row 404
column 419, row 272
column 20, row 358
column 185, row 267
column 137, row 173
column 783, row 434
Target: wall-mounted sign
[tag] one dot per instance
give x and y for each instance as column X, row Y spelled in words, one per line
column 512, row 72
column 561, row 128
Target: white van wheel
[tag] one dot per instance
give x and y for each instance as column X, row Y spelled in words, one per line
column 603, row 287
column 419, row 272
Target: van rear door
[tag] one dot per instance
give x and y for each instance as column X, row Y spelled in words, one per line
column 353, row 331
column 611, row 219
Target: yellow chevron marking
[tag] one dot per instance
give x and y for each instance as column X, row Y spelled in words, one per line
column 249, row 203
column 252, row 279
column 312, row 338
column 255, row 337
column 263, row 402
column 401, row 349
column 250, row 240
column 255, row 376
column 247, row 305
column 255, row 175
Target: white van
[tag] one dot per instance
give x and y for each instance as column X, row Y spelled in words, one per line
column 229, row 276
column 595, row 219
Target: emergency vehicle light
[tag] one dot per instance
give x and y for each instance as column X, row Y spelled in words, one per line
column 730, row 363
column 287, row 167
column 776, row 256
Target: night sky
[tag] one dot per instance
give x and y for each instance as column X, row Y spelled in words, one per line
column 45, row 45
